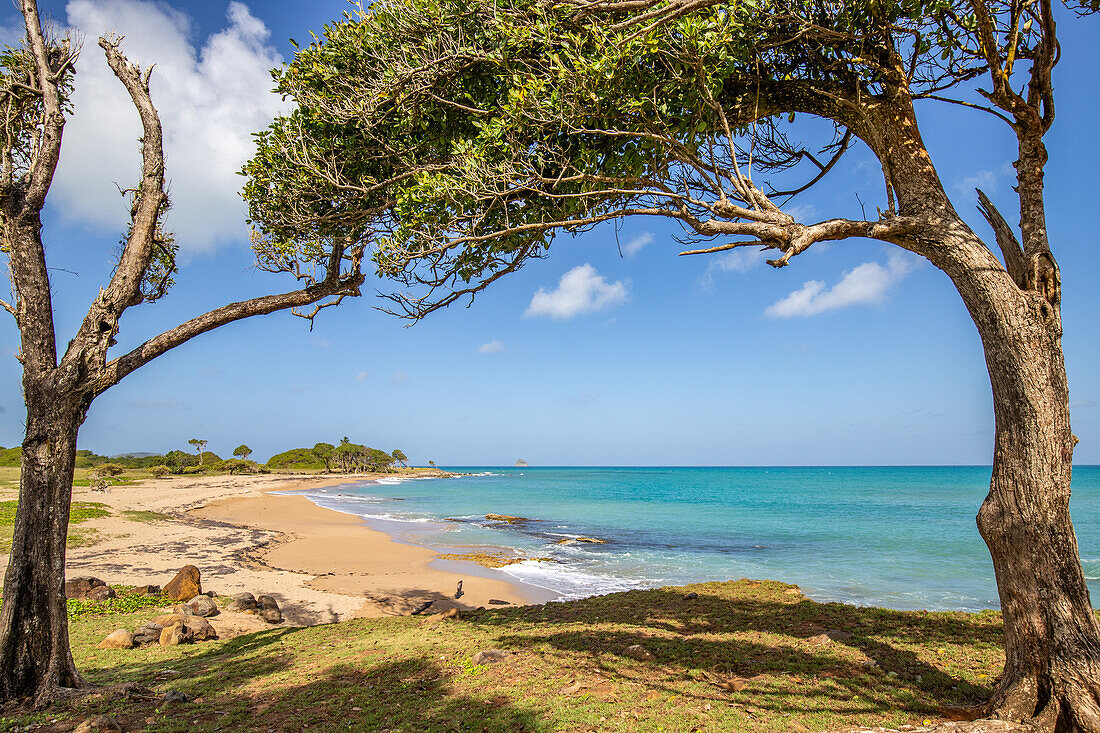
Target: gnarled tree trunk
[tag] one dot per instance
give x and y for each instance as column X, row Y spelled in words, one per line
column 35, row 660
column 1052, row 639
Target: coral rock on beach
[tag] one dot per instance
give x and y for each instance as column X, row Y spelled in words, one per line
column 186, row 585
column 175, row 634
column 147, row 634
column 199, row 627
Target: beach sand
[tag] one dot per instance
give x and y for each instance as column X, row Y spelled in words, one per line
column 320, row 565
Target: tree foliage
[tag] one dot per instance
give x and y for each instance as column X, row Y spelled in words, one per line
column 463, row 135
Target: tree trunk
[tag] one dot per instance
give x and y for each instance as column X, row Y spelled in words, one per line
column 35, row 660
column 1052, row 638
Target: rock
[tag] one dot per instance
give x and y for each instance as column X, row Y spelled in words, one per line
column 197, row 626
column 490, row 656
column 98, row 723
column 175, row 635
column 101, row 593
column 81, row 586
column 498, row 602
column 203, row 606
column 795, row 591
column 186, row 585
column 505, row 518
column 148, row 634
column 173, row 696
column 691, row 596
column 449, row 613
column 182, row 609
column 520, row 463
column 639, row 652
column 121, row 639
column 268, row 610
column 586, row 540
column 829, row 636
column 245, row 603
column 147, row 590
column 421, row 608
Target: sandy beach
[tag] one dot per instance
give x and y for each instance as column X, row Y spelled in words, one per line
column 320, row 565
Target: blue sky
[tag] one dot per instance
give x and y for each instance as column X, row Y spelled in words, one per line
column 855, row 354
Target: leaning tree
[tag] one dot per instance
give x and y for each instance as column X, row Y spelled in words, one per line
column 36, row 80
column 467, row 133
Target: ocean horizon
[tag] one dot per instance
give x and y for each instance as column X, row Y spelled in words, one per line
column 901, row 537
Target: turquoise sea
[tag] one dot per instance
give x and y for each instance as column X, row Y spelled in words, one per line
column 898, row 537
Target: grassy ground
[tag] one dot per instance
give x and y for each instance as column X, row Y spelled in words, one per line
column 81, row 511
column 738, row 657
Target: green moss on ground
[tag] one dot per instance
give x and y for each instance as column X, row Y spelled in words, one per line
column 569, row 670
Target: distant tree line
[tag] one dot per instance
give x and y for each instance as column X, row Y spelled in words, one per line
column 345, row 457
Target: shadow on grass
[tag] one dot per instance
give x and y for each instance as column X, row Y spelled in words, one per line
column 747, row 629
column 366, row 692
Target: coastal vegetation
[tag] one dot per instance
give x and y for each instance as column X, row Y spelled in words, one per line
column 467, row 135
column 747, row 656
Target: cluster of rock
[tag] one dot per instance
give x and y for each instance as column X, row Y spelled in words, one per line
column 187, row 622
column 263, row 606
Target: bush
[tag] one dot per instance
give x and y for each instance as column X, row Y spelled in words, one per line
column 110, row 469
column 302, row 458
column 191, row 470
column 159, row 471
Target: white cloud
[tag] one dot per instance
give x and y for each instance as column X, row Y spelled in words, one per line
column 866, row 283
column 491, row 347
column 398, row 378
column 210, row 100
column 361, row 376
column 581, row 290
column 734, row 260
column 638, row 243
column 983, row 179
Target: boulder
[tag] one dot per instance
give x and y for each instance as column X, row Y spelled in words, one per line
column 81, row 586
column 585, row 540
column 101, row 593
column 269, row 610
column 146, row 590
column 98, row 723
column 197, row 626
column 182, row 609
column 490, row 656
column 498, row 602
column 245, row 603
column 148, row 634
column 639, row 652
column 175, row 634
column 202, row 606
column 121, row 639
column 186, row 585
column 173, row 697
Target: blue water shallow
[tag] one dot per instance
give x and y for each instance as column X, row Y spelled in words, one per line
column 898, row 537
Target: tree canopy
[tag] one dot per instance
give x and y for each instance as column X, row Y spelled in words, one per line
column 461, row 136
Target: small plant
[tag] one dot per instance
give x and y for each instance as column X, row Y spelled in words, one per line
column 159, row 471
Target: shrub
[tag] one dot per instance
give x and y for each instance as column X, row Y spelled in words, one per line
column 159, row 471
column 110, row 469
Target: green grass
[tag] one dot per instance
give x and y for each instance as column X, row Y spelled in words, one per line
column 142, row 515
column 80, row 512
column 568, row 671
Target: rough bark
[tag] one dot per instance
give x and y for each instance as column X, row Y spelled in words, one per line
column 35, row 659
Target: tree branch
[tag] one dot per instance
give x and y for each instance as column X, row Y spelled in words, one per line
column 1006, row 240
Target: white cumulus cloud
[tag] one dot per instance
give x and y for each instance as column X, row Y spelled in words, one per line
column 361, row 376
column 210, row 98
column 491, row 347
column 581, row 290
column 638, row 243
column 867, row 283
